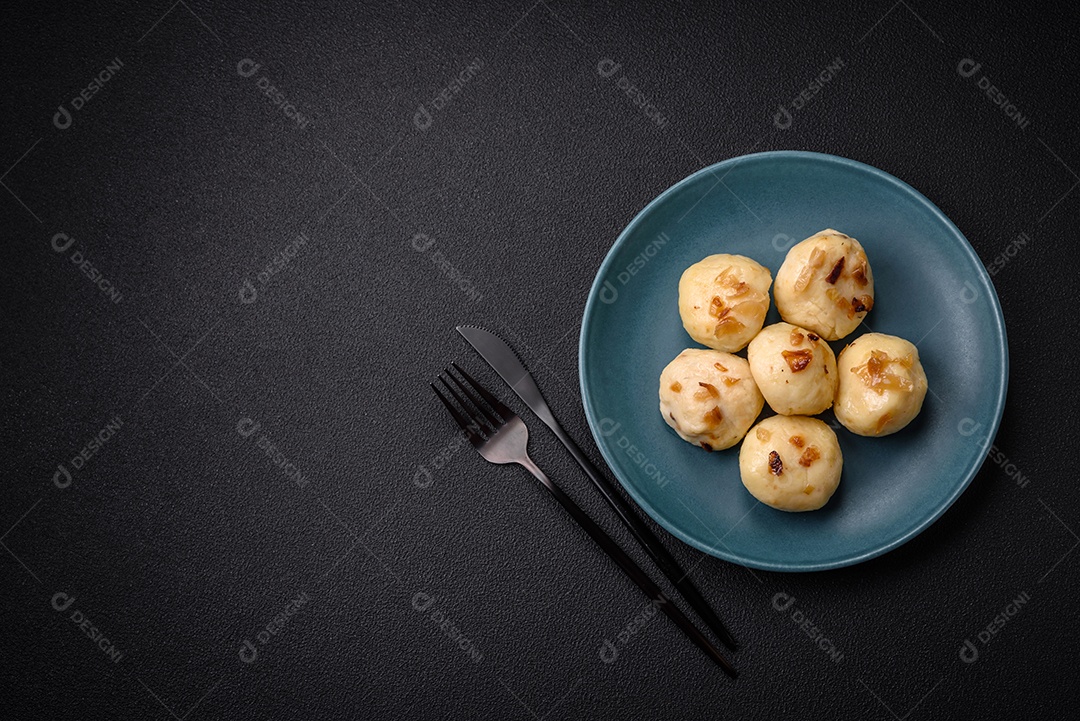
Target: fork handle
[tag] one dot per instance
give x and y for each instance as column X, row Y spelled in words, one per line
column 644, row 536
column 631, row 569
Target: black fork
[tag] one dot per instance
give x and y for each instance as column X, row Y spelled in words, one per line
column 501, row 437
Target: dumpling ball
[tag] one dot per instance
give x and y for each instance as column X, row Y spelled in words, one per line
column 723, row 300
column 709, row 398
column 882, row 385
column 791, row 463
column 825, row 285
column 794, row 369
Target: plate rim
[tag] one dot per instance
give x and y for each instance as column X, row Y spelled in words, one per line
column 881, row 549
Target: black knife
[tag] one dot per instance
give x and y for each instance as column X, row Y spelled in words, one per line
column 508, row 365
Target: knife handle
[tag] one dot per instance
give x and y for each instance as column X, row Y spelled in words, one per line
column 631, row 569
column 644, row 536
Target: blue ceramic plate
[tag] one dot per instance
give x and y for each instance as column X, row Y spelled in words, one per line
column 930, row 288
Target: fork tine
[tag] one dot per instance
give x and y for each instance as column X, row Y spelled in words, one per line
column 469, row 428
column 495, row 419
column 494, row 402
column 475, row 419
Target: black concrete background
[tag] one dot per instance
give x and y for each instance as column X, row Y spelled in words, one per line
column 180, row 180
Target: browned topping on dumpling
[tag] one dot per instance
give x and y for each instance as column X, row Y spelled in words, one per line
column 797, row 360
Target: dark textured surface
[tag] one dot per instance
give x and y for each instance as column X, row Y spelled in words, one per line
column 180, row 180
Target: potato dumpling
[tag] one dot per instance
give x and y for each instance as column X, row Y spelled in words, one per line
column 709, row 398
column 794, row 369
column 882, row 385
column 791, row 463
column 723, row 300
column 825, row 285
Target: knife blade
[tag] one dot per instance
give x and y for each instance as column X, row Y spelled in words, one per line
column 500, row 356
